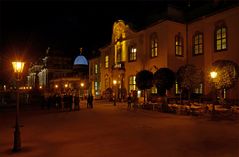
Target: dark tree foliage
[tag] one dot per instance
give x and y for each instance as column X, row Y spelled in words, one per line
column 144, row 80
column 164, row 80
column 227, row 75
column 189, row 78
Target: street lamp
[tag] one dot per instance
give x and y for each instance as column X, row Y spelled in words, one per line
column 18, row 69
column 82, row 86
column 213, row 75
column 114, row 83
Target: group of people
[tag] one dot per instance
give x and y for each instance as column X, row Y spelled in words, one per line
column 61, row 102
column 65, row 101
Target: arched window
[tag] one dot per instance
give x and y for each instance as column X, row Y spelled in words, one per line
column 154, row 45
column 132, row 54
column 178, row 45
column 198, row 43
column 221, row 38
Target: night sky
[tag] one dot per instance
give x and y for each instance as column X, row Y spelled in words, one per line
column 28, row 28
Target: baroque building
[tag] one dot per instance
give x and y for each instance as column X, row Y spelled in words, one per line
column 57, row 73
column 170, row 42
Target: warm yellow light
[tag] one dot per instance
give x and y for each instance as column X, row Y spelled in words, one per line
column 30, row 87
column 40, row 87
column 56, row 86
column 114, row 82
column 213, row 74
column 66, row 85
column 18, row 66
column 82, row 84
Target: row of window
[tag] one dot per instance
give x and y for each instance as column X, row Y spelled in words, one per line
column 132, row 86
column 220, row 39
column 220, row 44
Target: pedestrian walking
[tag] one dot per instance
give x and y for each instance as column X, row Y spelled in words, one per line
column 90, row 101
column 77, row 102
column 129, row 100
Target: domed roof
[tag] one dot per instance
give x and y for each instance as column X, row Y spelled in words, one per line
column 80, row 60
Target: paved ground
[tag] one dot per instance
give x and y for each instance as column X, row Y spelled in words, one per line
column 108, row 131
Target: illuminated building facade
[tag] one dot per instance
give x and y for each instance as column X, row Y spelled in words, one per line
column 57, row 73
column 170, row 42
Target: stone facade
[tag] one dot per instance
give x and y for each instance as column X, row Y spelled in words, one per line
column 167, row 43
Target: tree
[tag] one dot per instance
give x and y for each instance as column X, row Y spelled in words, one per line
column 164, row 80
column 227, row 75
column 144, row 80
column 189, row 78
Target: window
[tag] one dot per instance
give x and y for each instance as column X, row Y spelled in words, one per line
column 177, row 90
column 132, row 83
column 96, row 68
column 224, row 93
column 154, row 45
column 119, row 51
column 106, row 61
column 154, row 90
column 97, row 87
column 221, row 38
column 198, row 44
column 132, row 53
column 179, row 45
column 199, row 90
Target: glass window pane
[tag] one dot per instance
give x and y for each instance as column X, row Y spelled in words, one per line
column 224, row 35
column 219, row 34
column 223, row 30
column 200, row 49
column 200, row 38
column 196, row 39
column 196, row 49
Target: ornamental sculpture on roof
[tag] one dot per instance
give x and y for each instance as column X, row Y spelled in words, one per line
column 119, row 29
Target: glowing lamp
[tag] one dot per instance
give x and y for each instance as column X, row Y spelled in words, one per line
column 213, row 74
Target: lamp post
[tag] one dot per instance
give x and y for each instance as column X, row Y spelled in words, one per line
column 82, row 87
column 114, row 83
column 18, row 69
column 213, row 75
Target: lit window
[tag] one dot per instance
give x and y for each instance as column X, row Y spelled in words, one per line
column 154, row 45
column 106, row 61
column 199, row 90
column 132, row 53
column 198, row 44
column 119, row 51
column 97, row 88
column 154, row 90
column 132, row 83
column 221, row 38
column 224, row 93
column 177, row 91
column 178, row 45
column 96, row 68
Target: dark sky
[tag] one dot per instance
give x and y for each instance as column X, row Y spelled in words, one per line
column 29, row 27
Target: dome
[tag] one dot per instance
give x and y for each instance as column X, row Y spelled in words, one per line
column 80, row 60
